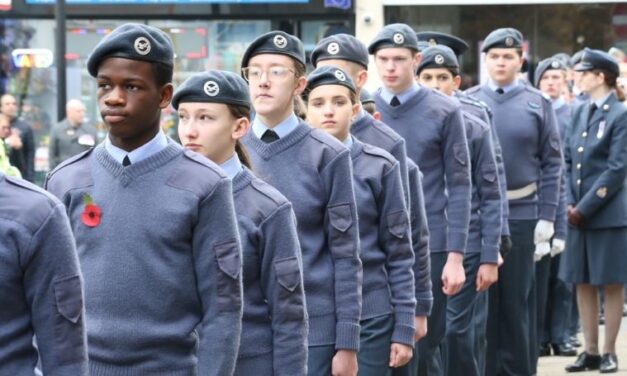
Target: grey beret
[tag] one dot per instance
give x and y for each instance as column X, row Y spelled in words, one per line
column 458, row 45
column 342, row 47
column 545, row 65
column 275, row 42
column 213, row 86
column 394, row 35
column 328, row 75
column 438, row 56
column 135, row 42
column 503, row 38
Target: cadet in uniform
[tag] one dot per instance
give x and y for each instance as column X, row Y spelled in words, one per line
column 350, row 54
column 71, row 136
column 525, row 123
column 155, row 226
column 313, row 170
column 439, row 148
column 596, row 162
column 554, row 296
column 42, row 292
column 213, row 109
column 439, row 70
column 387, row 318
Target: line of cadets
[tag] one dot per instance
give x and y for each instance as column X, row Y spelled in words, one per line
column 366, row 244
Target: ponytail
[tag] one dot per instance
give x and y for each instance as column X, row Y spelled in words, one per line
column 239, row 112
column 611, row 80
column 242, row 154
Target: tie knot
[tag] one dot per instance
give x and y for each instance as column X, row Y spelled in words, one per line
column 500, row 91
column 126, row 161
column 395, row 101
column 269, row 136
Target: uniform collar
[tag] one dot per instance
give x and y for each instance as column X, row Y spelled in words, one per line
column 492, row 85
column 152, row 147
column 232, row 166
column 362, row 114
column 601, row 101
column 282, row 129
column 348, row 142
column 558, row 103
column 403, row 97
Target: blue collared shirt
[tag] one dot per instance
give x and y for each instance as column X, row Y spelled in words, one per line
column 402, row 97
column 152, row 147
column 492, row 85
column 601, row 101
column 232, row 166
column 282, row 129
column 558, row 103
column 348, row 142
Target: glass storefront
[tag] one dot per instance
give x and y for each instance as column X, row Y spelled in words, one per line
column 548, row 28
column 199, row 45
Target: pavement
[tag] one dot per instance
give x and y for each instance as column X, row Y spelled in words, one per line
column 554, row 365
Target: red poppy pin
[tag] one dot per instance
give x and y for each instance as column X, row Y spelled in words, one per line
column 92, row 213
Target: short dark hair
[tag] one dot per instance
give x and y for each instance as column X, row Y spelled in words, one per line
column 163, row 73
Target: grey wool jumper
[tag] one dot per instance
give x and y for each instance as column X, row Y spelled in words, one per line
column 275, row 316
column 162, row 269
column 434, row 134
column 384, row 233
column 313, row 170
column 525, row 123
column 485, row 213
column 564, row 116
column 374, row 132
column 41, row 283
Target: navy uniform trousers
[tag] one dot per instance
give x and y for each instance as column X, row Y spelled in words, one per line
column 430, row 359
column 460, row 345
column 512, row 307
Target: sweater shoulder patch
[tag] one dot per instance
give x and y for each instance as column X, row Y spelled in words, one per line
column 378, row 152
column 70, row 161
column 472, row 90
column 199, row 177
column 268, row 191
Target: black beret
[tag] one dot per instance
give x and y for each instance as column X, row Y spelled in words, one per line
column 458, row 45
column 394, row 35
column 576, row 58
column 275, row 42
column 342, row 47
column 365, row 97
column 438, row 56
column 328, row 75
column 135, row 42
column 213, row 86
column 597, row 59
column 503, row 38
column 545, row 65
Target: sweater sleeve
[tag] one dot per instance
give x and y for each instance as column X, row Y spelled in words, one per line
column 487, row 179
column 420, row 244
column 613, row 178
column 399, row 152
column 343, row 242
column 500, row 167
column 395, row 240
column 218, row 267
column 550, row 164
column 457, row 171
column 53, row 288
column 282, row 282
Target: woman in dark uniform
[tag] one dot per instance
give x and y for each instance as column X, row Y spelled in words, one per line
column 596, row 160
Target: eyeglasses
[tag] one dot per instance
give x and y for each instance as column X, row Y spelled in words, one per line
column 274, row 73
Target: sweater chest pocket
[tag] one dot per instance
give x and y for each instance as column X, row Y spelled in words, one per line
column 227, row 279
column 397, row 224
column 69, row 328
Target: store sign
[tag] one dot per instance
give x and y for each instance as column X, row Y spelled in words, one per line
column 5, row 5
column 149, row 2
column 32, row 57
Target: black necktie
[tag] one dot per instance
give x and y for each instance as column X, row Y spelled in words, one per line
column 500, row 91
column 593, row 108
column 269, row 136
column 126, row 161
column 395, row 102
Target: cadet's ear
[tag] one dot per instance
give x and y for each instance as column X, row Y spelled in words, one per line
column 377, row 115
column 166, row 92
column 457, row 80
